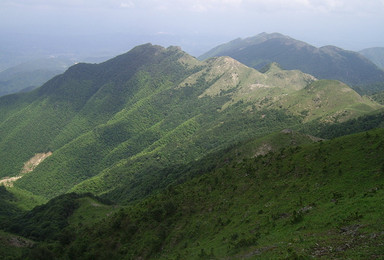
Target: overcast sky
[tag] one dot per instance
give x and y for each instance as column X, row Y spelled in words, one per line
column 196, row 25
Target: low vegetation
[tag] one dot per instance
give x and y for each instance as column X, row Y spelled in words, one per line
column 311, row 200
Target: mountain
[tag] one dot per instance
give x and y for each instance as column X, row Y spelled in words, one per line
column 122, row 129
column 328, row 62
column 303, row 198
column 376, row 55
column 155, row 154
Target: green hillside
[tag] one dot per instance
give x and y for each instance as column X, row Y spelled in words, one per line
column 328, row 62
column 305, row 200
column 316, row 102
column 122, row 129
column 155, row 154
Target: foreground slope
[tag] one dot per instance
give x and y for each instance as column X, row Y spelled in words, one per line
column 328, row 62
column 304, row 200
column 120, row 128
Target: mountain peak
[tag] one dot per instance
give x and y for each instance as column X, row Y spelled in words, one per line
column 225, row 61
column 268, row 36
column 331, row 49
column 271, row 67
column 148, row 45
column 240, row 44
column 174, row 48
column 262, row 37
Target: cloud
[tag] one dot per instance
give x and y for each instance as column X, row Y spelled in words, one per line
column 191, row 5
column 314, row 6
column 128, row 4
column 317, row 6
column 77, row 4
column 350, row 6
column 164, row 33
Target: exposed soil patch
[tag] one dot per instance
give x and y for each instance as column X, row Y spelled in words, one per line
column 20, row 242
column 15, row 241
column 263, row 150
column 8, row 181
column 29, row 166
column 32, row 163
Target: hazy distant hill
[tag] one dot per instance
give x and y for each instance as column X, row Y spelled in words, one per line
column 31, row 74
column 376, row 55
column 328, row 62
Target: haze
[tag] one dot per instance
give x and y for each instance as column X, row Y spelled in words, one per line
column 32, row 28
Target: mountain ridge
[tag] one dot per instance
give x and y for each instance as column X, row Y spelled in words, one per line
column 204, row 159
column 327, row 62
column 129, row 120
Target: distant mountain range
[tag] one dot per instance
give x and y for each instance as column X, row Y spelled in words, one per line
column 32, row 74
column 376, row 55
column 328, row 62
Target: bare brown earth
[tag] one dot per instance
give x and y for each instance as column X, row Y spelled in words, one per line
column 29, row 166
column 32, row 163
column 15, row 241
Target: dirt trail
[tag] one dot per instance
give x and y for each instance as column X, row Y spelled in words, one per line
column 29, row 166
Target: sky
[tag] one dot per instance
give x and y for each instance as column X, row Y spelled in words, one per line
column 112, row 26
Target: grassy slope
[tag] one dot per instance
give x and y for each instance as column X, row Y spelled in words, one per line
column 314, row 200
column 316, row 102
column 335, row 189
column 228, row 126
